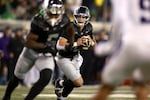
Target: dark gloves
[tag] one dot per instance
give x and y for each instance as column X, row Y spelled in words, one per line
column 50, row 47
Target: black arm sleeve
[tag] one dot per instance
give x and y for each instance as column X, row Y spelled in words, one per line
column 90, row 27
column 64, row 33
column 34, row 27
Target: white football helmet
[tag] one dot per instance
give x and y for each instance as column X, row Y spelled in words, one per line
column 83, row 12
column 54, row 11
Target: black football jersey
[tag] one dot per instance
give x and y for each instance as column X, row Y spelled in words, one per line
column 46, row 32
column 87, row 30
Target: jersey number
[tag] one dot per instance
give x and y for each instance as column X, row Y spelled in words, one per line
column 145, row 8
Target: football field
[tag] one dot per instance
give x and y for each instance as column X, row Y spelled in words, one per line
column 83, row 93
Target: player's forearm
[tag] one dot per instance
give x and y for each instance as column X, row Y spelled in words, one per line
column 34, row 45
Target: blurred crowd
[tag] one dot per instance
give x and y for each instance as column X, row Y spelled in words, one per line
column 11, row 45
column 19, row 9
column 25, row 9
column 12, row 40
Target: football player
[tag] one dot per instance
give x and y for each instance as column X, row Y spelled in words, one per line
column 69, row 45
column 131, row 22
column 39, row 48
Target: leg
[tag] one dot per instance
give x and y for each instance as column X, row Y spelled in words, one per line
column 67, row 86
column 45, row 76
column 45, row 64
column 22, row 66
column 116, row 70
column 72, row 72
column 103, row 92
column 13, row 83
column 141, row 91
column 141, row 77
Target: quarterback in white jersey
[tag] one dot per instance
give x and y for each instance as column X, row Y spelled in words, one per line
column 131, row 27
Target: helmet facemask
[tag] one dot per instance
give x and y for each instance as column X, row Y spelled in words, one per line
column 81, row 16
column 53, row 14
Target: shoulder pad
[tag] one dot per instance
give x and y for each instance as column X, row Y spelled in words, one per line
column 89, row 26
column 38, row 20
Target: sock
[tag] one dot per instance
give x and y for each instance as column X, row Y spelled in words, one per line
column 45, row 76
column 68, row 87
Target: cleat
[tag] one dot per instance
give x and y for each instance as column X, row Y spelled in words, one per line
column 58, row 89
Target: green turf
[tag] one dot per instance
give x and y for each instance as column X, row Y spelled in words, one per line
column 84, row 91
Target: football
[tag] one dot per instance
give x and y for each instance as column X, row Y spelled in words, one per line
column 86, row 42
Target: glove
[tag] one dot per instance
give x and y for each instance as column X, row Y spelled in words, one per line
column 50, row 48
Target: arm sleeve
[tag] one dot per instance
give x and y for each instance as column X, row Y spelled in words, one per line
column 91, row 32
column 90, row 28
column 64, row 32
column 34, row 28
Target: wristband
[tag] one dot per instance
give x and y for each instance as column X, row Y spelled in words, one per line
column 75, row 44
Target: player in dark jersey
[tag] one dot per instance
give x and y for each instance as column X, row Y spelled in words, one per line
column 39, row 48
column 69, row 59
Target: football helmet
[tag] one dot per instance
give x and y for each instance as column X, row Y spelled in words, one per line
column 54, row 11
column 81, row 12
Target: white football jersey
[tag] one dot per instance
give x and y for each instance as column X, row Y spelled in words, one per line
column 130, row 21
column 131, row 15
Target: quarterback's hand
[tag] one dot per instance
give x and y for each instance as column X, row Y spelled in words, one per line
column 50, row 47
column 88, row 41
column 80, row 42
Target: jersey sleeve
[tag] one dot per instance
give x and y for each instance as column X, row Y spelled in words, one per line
column 34, row 28
column 90, row 30
column 66, row 22
column 64, row 32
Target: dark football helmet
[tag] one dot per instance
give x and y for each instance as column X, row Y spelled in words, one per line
column 83, row 12
column 54, row 11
